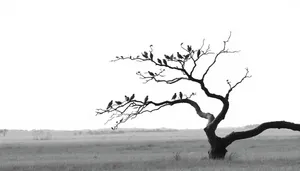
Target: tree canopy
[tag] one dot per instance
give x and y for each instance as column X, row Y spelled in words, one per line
column 186, row 63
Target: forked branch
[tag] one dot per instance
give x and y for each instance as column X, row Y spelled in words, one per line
column 199, row 54
column 224, row 50
column 239, row 82
column 170, row 62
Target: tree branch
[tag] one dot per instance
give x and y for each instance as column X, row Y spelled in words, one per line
column 170, row 62
column 259, row 129
column 130, row 109
column 232, row 87
column 213, row 125
column 225, row 101
column 148, row 76
column 149, row 57
column 224, row 50
column 199, row 54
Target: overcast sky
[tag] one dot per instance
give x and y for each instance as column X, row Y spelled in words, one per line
column 55, row 69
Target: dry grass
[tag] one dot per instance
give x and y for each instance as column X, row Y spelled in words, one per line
column 171, row 151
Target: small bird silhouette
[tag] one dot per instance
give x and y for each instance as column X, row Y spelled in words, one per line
column 109, row 104
column 146, row 99
column 132, row 97
column 167, row 57
column 151, row 55
column 165, row 62
column 174, row 96
column 118, row 102
column 172, row 57
column 145, row 54
column 198, row 53
column 179, row 56
column 180, row 95
column 159, row 61
column 189, row 48
column 151, row 73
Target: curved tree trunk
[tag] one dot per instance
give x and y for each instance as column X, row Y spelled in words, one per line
column 217, row 148
column 218, row 145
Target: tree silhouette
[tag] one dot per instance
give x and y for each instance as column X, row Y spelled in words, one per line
column 3, row 132
column 130, row 108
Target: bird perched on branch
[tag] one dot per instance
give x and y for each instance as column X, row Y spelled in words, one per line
column 118, row 102
column 174, row 96
column 146, row 99
column 132, row 97
column 165, row 62
column 180, row 95
column 109, row 104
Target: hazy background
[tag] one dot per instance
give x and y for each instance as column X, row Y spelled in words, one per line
column 55, row 69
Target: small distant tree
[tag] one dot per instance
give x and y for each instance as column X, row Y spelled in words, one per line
column 186, row 63
column 3, row 132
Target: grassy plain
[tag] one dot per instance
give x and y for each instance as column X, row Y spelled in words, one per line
column 145, row 150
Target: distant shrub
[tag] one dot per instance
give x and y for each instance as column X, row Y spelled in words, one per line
column 3, row 132
column 41, row 135
column 177, row 156
column 78, row 133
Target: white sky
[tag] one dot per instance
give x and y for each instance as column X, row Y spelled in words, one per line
column 55, row 69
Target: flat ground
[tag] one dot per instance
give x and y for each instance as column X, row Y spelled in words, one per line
column 152, row 150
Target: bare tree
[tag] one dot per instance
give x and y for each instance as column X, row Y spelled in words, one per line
column 130, row 108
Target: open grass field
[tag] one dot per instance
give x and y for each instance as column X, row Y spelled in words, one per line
column 145, row 150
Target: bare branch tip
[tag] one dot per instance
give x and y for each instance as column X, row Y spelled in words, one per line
column 228, row 37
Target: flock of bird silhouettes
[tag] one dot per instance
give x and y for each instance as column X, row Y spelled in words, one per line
column 175, row 95
column 145, row 100
column 131, row 98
